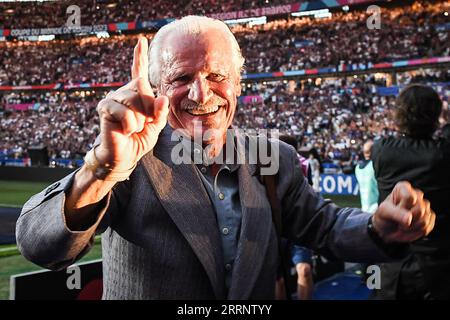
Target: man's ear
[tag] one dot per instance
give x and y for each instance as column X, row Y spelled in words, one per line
column 238, row 88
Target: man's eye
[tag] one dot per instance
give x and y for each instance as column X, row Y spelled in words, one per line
column 216, row 77
column 181, row 79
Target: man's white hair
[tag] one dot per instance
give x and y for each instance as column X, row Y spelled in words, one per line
column 189, row 25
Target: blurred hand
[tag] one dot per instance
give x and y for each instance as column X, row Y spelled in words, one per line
column 404, row 216
column 131, row 118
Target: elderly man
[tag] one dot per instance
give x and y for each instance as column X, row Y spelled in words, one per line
column 195, row 231
column 424, row 160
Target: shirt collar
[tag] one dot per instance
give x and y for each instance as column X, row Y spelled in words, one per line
column 199, row 155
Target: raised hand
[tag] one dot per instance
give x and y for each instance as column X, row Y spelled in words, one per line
column 404, row 216
column 131, row 118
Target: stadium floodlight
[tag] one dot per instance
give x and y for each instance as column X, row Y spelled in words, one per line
column 251, row 21
column 102, row 34
column 321, row 13
column 258, row 21
column 48, row 37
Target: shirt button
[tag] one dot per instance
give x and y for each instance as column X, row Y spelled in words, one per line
column 221, row 196
column 203, row 169
column 228, row 267
column 225, row 231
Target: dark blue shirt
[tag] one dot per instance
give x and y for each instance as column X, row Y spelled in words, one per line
column 223, row 191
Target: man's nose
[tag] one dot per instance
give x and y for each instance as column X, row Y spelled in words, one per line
column 200, row 91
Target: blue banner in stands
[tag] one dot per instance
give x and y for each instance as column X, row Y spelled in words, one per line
column 153, row 24
column 443, row 27
column 339, row 184
column 388, row 91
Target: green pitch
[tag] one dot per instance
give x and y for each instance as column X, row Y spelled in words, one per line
column 345, row 201
column 16, row 193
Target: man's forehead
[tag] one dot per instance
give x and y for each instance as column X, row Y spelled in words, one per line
column 212, row 33
column 212, row 41
column 212, row 50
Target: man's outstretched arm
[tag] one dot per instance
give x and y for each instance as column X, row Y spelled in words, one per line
column 344, row 233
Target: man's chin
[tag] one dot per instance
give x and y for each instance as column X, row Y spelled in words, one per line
column 205, row 128
column 209, row 135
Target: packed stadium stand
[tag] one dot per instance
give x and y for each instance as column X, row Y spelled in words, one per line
column 280, row 45
column 49, row 89
column 53, row 13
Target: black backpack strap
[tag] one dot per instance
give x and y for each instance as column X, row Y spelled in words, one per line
column 271, row 191
column 270, row 184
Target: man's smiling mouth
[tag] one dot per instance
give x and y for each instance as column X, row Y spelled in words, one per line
column 202, row 111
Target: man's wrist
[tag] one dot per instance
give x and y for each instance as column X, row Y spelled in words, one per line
column 105, row 171
column 373, row 233
column 391, row 250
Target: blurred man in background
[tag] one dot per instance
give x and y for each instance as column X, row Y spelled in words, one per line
column 418, row 157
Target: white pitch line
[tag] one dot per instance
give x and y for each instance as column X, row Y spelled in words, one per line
column 7, row 249
column 9, row 205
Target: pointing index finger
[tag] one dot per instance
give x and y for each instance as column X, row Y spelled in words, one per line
column 140, row 59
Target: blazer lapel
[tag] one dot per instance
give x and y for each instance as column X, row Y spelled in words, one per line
column 185, row 199
column 255, row 234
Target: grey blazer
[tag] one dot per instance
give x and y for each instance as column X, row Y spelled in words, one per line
column 161, row 240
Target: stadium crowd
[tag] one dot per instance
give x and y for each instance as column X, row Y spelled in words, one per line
column 335, row 116
column 281, row 45
column 406, row 33
column 66, row 124
column 83, row 60
column 94, row 12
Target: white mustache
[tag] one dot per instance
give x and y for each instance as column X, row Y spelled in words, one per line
column 215, row 101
